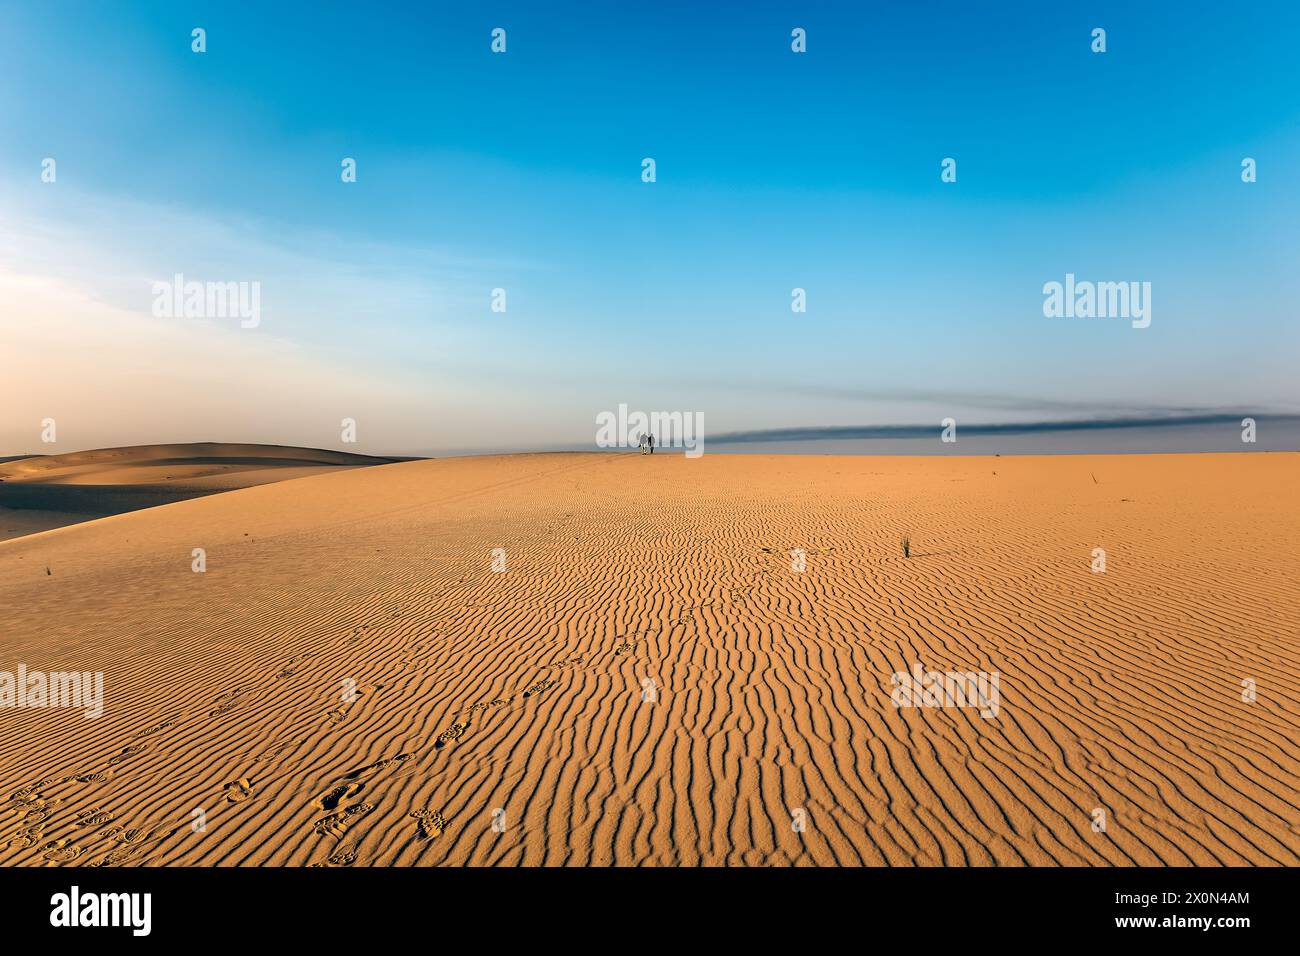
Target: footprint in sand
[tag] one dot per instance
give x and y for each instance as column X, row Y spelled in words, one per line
column 484, row 705
column 115, row 857
column 344, row 855
column 238, row 791
column 451, row 734
column 293, row 665
column 133, row 836
column 331, row 800
column 93, row 818
column 27, row 837
column 32, row 805
column 430, row 824
column 131, row 839
column 387, row 762
column 127, row 753
column 157, row 728
column 24, row 795
column 336, row 824
column 631, row 640
column 274, row 751
column 228, row 701
column 60, row 851
column 53, row 781
column 537, row 688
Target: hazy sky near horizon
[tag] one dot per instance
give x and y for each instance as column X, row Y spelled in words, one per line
column 522, row 171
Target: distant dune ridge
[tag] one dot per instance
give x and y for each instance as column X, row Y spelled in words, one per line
column 41, row 492
column 600, row 658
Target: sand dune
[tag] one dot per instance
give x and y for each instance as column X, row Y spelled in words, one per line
column 41, row 492
column 650, row 681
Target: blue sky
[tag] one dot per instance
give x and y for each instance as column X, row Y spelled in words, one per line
column 522, row 171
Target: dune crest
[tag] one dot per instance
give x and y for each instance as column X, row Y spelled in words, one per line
column 41, row 492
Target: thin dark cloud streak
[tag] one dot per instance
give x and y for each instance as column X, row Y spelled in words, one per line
column 999, row 401
column 831, row 433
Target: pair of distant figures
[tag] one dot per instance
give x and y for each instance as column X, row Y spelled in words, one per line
column 647, row 444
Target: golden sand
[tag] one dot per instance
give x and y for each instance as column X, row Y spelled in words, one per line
column 651, row 680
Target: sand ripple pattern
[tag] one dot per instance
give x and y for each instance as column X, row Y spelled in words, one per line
column 651, row 682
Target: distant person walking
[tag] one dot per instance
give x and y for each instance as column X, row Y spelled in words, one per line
column 641, row 444
column 651, row 440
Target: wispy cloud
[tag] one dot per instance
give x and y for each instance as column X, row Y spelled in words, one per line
column 836, row 433
column 343, row 291
column 959, row 399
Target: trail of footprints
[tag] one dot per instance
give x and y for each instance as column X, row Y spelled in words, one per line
column 340, row 815
column 429, row 823
column 37, row 811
